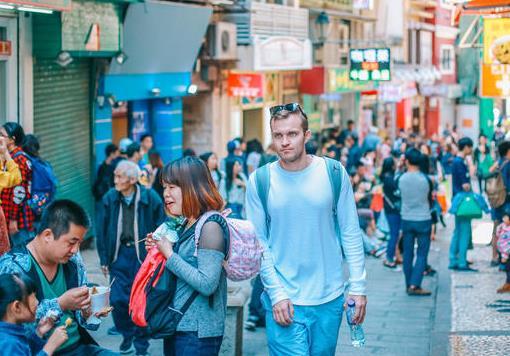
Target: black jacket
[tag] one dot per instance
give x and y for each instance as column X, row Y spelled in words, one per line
column 149, row 214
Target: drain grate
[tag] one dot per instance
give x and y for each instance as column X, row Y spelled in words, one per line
column 464, row 286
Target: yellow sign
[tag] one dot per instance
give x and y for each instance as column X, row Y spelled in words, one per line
column 496, row 41
column 495, row 81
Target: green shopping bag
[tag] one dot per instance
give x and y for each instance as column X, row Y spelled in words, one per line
column 469, row 208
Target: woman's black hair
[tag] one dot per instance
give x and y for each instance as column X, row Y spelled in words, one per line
column 254, row 146
column 16, row 132
column 31, row 145
column 14, row 287
column 205, row 156
column 388, row 166
column 229, row 167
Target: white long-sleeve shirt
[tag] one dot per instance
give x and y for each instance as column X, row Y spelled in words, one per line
column 302, row 258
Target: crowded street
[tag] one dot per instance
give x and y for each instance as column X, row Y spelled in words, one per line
column 465, row 316
column 254, row 177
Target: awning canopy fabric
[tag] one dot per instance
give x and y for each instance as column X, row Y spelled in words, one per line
column 161, row 44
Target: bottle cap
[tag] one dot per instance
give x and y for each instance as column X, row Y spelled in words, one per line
column 351, row 302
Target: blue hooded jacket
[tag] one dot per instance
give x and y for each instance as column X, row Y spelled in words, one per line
column 15, row 340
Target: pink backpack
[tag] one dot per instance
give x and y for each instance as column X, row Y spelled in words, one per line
column 245, row 252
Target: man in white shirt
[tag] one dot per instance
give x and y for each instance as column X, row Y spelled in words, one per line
column 302, row 262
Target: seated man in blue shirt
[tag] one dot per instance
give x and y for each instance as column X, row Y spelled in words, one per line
column 461, row 183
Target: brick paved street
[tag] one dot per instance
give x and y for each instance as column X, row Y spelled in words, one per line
column 464, row 316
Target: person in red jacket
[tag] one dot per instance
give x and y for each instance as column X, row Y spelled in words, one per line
column 18, row 214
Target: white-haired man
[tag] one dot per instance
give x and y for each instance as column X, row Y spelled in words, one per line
column 130, row 212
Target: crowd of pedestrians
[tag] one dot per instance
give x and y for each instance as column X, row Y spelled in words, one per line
column 339, row 197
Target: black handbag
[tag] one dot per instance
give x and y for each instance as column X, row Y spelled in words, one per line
column 161, row 315
column 162, row 318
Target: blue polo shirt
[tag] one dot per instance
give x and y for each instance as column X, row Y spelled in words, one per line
column 460, row 174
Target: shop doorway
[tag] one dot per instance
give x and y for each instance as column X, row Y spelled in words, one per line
column 119, row 122
column 253, row 124
column 8, row 70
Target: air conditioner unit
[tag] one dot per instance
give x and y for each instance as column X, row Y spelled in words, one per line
column 222, row 41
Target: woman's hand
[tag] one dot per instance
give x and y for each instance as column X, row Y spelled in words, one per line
column 149, row 242
column 165, row 247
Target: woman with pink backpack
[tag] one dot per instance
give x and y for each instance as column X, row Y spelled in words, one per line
column 208, row 248
column 201, row 283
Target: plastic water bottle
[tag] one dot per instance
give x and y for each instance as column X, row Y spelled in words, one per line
column 357, row 334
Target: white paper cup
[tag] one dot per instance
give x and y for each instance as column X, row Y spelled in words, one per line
column 100, row 300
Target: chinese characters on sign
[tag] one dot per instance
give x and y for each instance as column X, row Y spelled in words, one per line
column 370, row 64
column 5, row 48
column 495, row 80
column 245, row 84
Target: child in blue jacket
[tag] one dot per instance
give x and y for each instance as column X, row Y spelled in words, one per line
column 18, row 305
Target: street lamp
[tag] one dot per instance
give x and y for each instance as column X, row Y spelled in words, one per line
column 323, row 26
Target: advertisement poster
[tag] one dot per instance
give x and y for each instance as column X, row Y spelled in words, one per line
column 496, row 41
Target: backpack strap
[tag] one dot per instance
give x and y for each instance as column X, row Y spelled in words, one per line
column 263, row 183
column 190, row 301
column 335, row 179
column 200, row 224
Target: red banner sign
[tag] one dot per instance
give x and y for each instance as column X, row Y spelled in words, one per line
column 245, row 84
column 5, row 48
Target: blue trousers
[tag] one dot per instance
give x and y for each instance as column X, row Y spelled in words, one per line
column 314, row 331
column 415, row 231
column 124, row 270
column 188, row 343
column 394, row 221
column 460, row 243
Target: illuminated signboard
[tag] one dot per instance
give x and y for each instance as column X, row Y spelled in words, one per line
column 370, row 64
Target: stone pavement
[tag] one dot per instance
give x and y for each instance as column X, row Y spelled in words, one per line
column 397, row 324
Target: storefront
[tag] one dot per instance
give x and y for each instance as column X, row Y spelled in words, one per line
column 64, row 71
column 156, row 73
column 330, row 94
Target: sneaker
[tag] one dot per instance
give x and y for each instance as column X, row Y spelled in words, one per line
column 252, row 322
column 113, row 331
column 504, row 289
column 417, row 291
column 127, row 347
column 453, row 268
column 467, row 269
column 494, row 263
column 390, row 265
column 429, row 272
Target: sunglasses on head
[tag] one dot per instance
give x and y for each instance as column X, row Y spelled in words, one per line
column 292, row 107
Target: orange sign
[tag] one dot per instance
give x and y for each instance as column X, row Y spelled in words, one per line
column 246, row 84
column 495, row 81
column 5, row 48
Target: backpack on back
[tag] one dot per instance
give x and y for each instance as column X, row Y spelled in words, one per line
column 43, row 185
column 495, row 189
column 244, row 250
column 334, row 168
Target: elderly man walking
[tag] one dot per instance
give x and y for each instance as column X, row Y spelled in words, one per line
column 130, row 212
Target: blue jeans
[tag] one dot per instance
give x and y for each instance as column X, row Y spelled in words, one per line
column 395, row 221
column 460, row 243
column 124, row 270
column 188, row 343
column 420, row 231
column 314, row 330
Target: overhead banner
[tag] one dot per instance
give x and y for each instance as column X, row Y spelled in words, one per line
column 495, row 81
column 496, row 41
column 245, row 84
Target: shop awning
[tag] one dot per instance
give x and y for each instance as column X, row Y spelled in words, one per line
column 417, row 74
column 161, row 44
